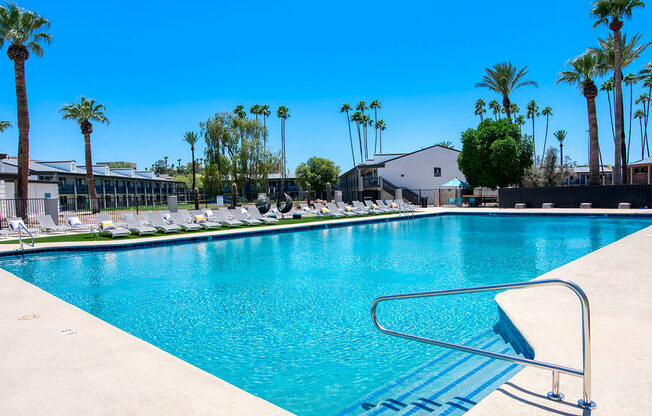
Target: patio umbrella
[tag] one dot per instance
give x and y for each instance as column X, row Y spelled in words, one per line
column 455, row 183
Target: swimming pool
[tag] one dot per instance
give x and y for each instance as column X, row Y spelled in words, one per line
column 286, row 316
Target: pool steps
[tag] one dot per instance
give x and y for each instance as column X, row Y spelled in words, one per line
column 449, row 384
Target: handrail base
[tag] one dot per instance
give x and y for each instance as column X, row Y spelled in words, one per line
column 584, row 405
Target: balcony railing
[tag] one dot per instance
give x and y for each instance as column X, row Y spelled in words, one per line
column 370, row 182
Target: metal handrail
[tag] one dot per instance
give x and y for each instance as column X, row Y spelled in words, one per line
column 585, row 373
column 20, row 235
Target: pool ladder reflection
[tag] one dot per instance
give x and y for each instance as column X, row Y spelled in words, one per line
column 554, row 394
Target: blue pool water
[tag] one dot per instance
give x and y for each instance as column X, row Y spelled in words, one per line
column 287, row 316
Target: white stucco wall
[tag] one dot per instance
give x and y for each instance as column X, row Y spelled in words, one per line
column 416, row 171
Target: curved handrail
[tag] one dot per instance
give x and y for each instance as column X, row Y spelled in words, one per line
column 20, row 236
column 585, row 373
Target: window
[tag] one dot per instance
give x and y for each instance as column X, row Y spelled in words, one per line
column 437, row 172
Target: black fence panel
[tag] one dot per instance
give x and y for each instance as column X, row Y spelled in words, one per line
column 639, row 196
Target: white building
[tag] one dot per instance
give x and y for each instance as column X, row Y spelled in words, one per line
column 419, row 174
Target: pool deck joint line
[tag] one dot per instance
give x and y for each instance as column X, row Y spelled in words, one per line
column 102, row 370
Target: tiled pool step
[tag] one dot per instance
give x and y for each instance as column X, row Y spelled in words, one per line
column 450, row 384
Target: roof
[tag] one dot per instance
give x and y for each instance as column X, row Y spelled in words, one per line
column 647, row 161
column 586, row 169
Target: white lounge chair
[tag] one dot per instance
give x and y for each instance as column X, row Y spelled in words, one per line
column 107, row 227
column 46, row 223
column 254, row 212
column 238, row 215
column 408, row 206
column 348, row 208
column 360, row 207
column 17, row 223
column 74, row 223
column 386, row 207
column 334, row 208
column 177, row 219
column 198, row 217
column 306, row 210
column 220, row 217
column 135, row 226
column 324, row 211
column 155, row 219
column 374, row 208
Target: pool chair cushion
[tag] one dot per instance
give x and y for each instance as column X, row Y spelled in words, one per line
column 167, row 218
column 324, row 210
column 348, row 208
column 74, row 222
column 15, row 224
column 107, row 225
column 374, row 206
column 209, row 212
column 198, row 219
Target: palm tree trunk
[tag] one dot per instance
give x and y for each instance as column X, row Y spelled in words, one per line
column 264, row 129
column 90, row 179
column 348, row 120
column 380, row 135
column 545, row 139
column 23, row 135
column 360, row 141
column 647, row 116
column 640, row 123
column 561, row 153
column 366, row 145
column 376, row 135
column 618, row 106
column 534, row 143
column 194, row 186
column 594, row 157
column 631, row 103
column 506, row 105
column 611, row 117
column 481, row 118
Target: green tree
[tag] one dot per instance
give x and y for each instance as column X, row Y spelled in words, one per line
column 547, row 111
column 520, row 121
column 240, row 112
column 610, row 12
column 255, row 110
column 345, row 109
column 479, row 109
column 495, row 154
column 4, row 125
column 375, row 105
column 494, row 105
column 583, row 69
column 550, row 173
column 25, row 31
column 83, row 113
column 317, row 172
column 445, row 143
column 560, row 135
column 283, row 113
column 503, row 79
column 191, row 138
column 381, row 126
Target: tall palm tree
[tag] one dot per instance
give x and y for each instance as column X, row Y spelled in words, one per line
column 646, row 76
column 361, row 107
column 644, row 100
column 255, row 110
column 533, row 112
column 630, row 52
column 265, row 112
column 83, row 113
column 357, row 118
column 366, row 122
column 640, row 115
column 503, row 79
column 583, row 69
column 375, row 105
column 560, row 135
column 494, row 105
column 630, row 80
column 514, row 109
column 239, row 111
column 608, row 87
column 547, row 111
column 4, row 125
column 25, row 31
column 283, row 113
column 381, row 126
column 191, row 138
column 520, row 120
column 610, row 12
column 345, row 109
column 479, row 109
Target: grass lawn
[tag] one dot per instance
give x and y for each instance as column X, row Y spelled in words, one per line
column 85, row 237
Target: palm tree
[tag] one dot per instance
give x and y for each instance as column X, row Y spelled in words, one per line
column 375, row 105
column 520, row 120
column 644, row 100
column 479, row 109
column 4, row 125
column 345, row 109
column 361, row 107
column 445, row 143
column 547, row 111
column 533, row 112
column 366, row 122
column 191, row 138
column 265, row 112
column 503, row 79
column 494, row 105
column 609, row 12
column 608, row 87
column 255, row 110
column 630, row 80
column 513, row 108
column 357, row 118
column 25, row 31
column 560, row 135
column 83, row 113
column 630, row 52
column 381, row 126
column 240, row 112
column 583, row 69
column 640, row 115
column 283, row 113
column 646, row 76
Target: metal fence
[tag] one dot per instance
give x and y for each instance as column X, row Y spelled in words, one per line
column 600, row 196
column 29, row 209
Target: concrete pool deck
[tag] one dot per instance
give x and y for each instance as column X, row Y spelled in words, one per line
column 67, row 362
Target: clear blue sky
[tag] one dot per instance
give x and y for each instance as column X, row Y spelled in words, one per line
column 162, row 67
